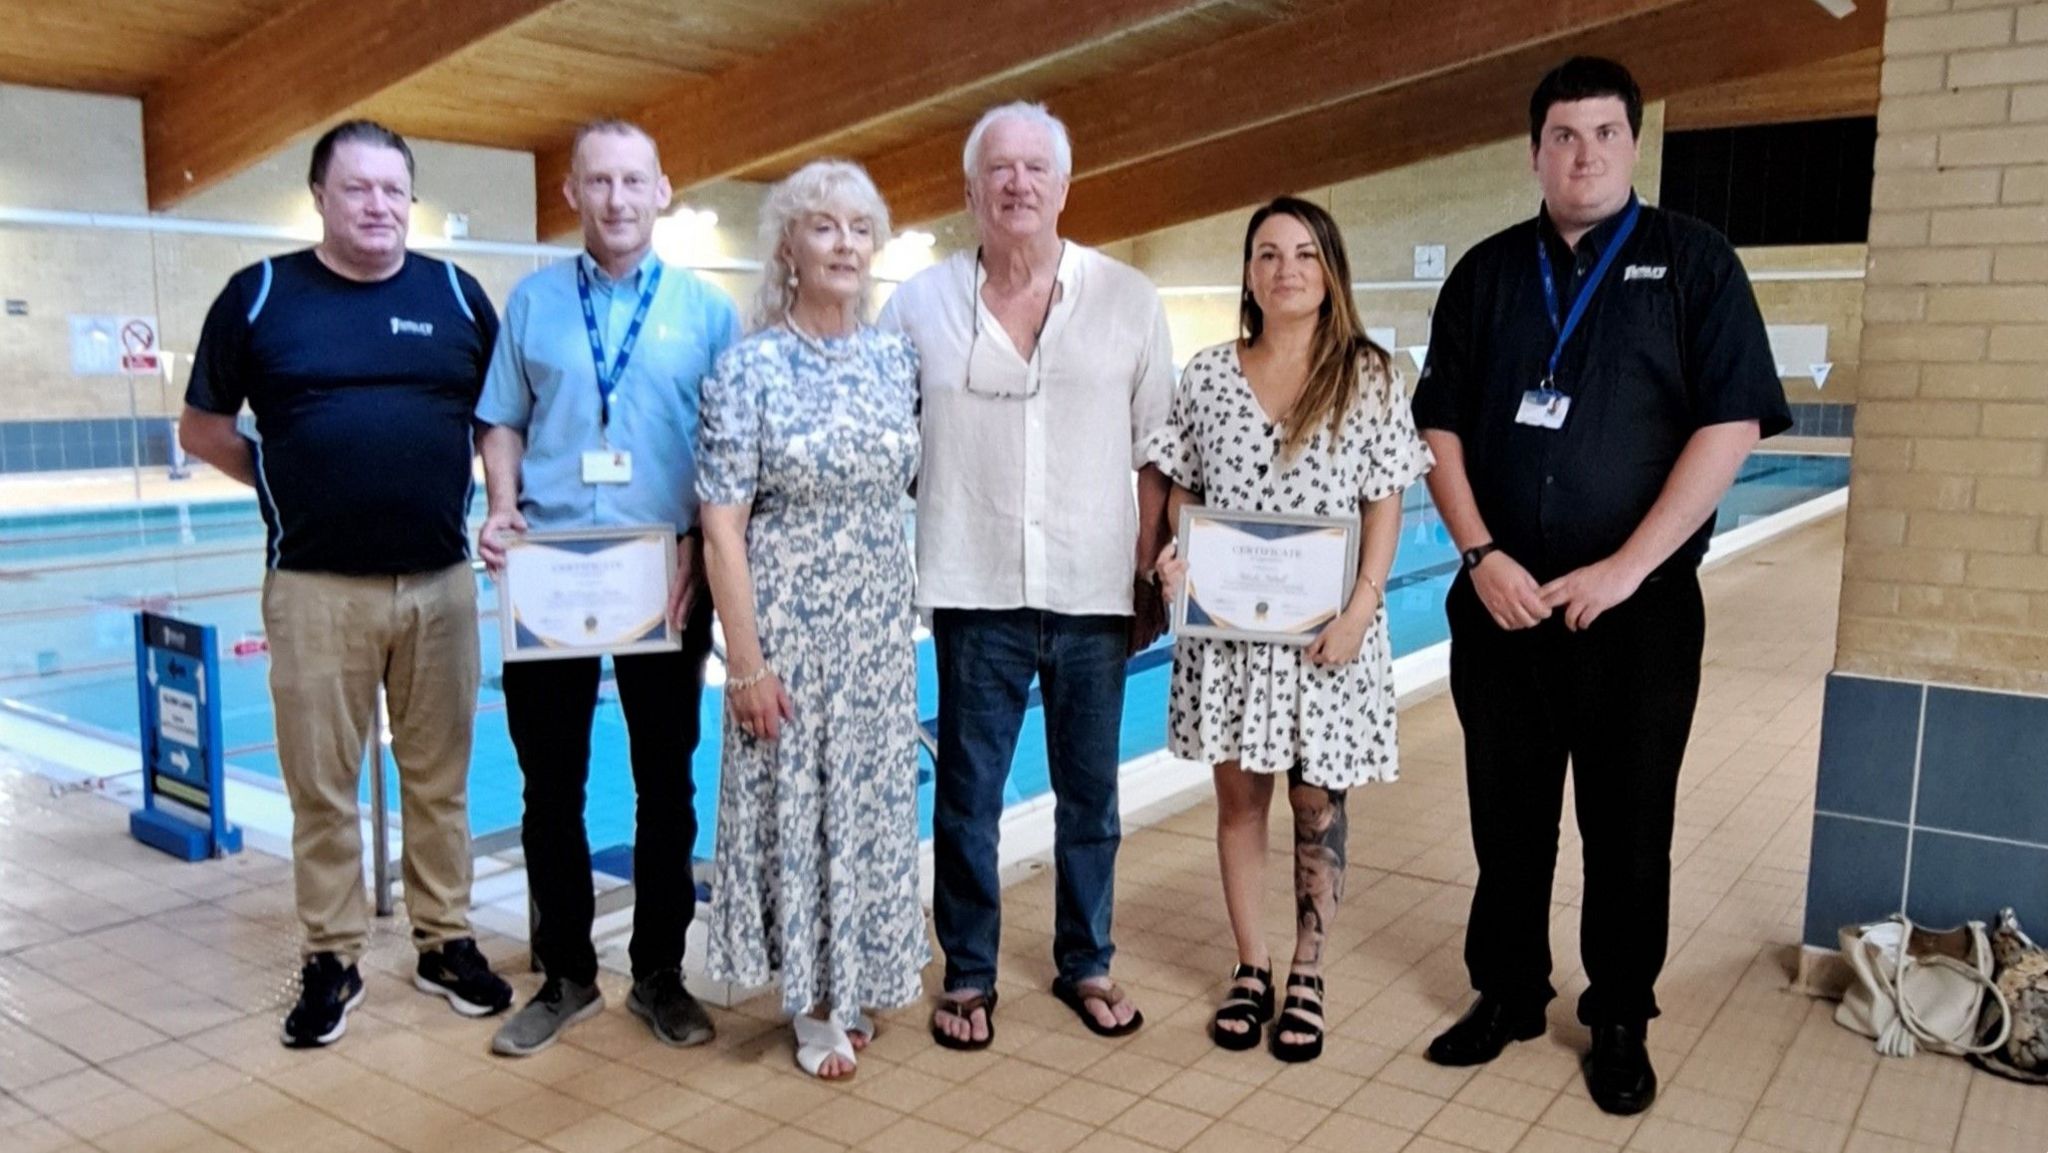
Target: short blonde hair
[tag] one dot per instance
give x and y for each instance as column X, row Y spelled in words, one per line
column 817, row 185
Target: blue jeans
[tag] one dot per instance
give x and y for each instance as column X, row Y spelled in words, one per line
column 986, row 659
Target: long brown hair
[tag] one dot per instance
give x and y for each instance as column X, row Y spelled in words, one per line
column 1340, row 351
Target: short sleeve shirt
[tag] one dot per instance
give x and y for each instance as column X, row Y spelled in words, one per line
column 362, row 393
column 1671, row 342
column 543, row 383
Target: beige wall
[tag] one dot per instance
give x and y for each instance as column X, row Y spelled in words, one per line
column 62, row 151
column 1946, row 573
column 1457, row 201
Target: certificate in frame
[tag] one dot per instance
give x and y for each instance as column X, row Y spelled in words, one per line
column 587, row 592
column 1261, row 576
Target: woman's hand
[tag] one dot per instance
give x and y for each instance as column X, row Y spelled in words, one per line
column 1341, row 640
column 761, row 707
column 1173, row 572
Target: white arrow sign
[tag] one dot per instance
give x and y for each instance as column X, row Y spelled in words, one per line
column 1820, row 373
column 180, row 761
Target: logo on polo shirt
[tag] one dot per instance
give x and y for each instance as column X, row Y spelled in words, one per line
column 411, row 327
column 1643, row 272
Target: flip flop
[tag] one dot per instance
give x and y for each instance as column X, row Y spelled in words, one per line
column 1076, row 996
column 817, row 1040
column 964, row 1009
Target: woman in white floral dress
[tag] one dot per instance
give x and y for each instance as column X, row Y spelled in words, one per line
column 1303, row 416
column 808, row 442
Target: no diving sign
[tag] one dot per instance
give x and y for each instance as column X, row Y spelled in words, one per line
column 115, row 346
column 138, row 347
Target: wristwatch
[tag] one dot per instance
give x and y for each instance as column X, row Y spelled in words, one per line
column 1478, row 552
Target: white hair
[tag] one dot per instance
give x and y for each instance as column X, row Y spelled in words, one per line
column 818, row 185
column 1036, row 114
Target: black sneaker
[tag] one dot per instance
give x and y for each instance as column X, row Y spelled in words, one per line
column 458, row 971
column 670, row 1011
column 327, row 991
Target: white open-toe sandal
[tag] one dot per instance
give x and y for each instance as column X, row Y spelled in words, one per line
column 817, row 1040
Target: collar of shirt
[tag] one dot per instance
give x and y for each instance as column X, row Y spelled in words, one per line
column 602, row 280
column 1572, row 262
column 1066, row 277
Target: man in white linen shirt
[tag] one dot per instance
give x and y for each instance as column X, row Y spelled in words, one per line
column 1044, row 366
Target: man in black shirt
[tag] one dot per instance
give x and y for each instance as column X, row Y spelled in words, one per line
column 362, row 364
column 1596, row 377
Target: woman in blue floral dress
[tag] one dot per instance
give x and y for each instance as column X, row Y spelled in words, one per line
column 808, row 443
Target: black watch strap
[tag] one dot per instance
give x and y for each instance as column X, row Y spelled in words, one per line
column 1479, row 552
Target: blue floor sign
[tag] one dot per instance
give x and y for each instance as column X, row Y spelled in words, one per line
column 177, row 683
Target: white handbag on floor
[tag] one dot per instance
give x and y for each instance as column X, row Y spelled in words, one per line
column 1917, row 988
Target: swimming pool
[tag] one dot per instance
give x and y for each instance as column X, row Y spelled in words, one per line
column 71, row 582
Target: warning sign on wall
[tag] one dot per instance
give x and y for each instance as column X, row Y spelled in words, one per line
column 115, row 345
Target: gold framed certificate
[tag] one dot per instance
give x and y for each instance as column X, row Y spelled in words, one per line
column 586, row 592
column 1257, row 576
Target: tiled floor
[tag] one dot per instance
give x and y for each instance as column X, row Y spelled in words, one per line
column 139, row 999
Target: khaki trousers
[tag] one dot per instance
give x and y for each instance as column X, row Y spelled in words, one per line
column 333, row 640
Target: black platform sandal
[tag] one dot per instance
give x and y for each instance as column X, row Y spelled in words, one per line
column 1252, row 1007
column 1295, row 1017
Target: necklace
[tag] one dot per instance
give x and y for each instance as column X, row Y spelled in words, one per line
column 844, row 349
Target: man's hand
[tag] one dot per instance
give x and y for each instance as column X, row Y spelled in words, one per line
column 1508, row 592
column 1148, row 619
column 1585, row 593
column 682, row 596
column 496, row 532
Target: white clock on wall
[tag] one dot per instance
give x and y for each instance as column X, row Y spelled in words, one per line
column 1429, row 262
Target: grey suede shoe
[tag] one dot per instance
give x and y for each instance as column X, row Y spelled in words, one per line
column 537, row 1024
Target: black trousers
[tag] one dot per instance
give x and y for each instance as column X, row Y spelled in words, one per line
column 1616, row 700
column 549, row 706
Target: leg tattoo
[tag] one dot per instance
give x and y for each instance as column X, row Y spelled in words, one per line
column 1321, row 828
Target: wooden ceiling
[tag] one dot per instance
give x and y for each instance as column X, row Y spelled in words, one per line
column 1179, row 108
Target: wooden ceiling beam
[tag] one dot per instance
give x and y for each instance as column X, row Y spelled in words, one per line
column 1336, row 52
column 1839, row 88
column 296, row 72
column 1693, row 45
column 840, row 76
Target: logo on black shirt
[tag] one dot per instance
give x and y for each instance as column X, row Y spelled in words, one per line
column 411, row 327
column 1643, row 272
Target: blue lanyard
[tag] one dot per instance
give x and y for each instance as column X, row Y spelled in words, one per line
column 608, row 382
column 1565, row 327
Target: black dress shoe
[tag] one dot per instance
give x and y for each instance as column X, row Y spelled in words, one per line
column 1618, row 1072
column 1483, row 1032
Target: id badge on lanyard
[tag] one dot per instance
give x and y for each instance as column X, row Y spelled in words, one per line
column 609, row 465
column 1545, row 406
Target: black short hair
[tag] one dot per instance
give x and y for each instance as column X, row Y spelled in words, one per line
column 1585, row 78
column 355, row 132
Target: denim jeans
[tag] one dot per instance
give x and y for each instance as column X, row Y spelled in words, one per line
column 986, row 659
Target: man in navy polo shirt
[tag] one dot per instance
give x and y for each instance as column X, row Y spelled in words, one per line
column 362, row 363
column 601, row 357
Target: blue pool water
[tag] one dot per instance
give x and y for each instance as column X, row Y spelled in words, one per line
column 70, row 584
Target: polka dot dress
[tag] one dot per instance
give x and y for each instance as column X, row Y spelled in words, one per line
column 1261, row 704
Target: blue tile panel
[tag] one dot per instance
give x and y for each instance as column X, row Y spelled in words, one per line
column 1984, row 768
column 1867, row 733
column 1813, row 419
column 112, row 442
column 1973, row 833
column 1858, row 874
column 1957, row 879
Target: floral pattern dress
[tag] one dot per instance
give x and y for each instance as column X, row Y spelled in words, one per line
column 816, row 870
column 1256, row 703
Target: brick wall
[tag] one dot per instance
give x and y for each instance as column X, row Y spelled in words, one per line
column 1946, row 574
column 1932, row 793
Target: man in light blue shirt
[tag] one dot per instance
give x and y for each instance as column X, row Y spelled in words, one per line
column 590, row 415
